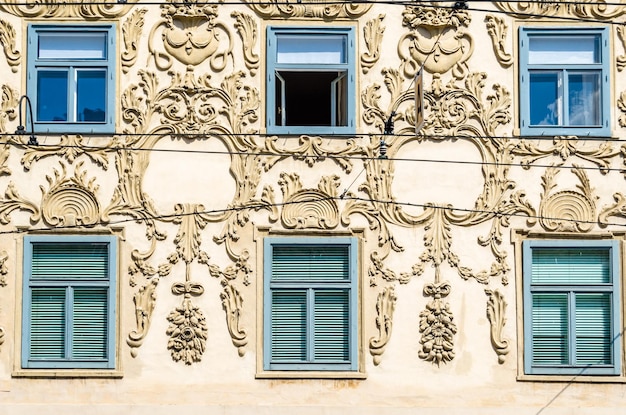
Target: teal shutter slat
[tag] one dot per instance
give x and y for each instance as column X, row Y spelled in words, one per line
column 47, row 336
column 289, row 317
column 332, row 326
column 571, row 266
column 550, row 329
column 304, row 263
column 90, row 324
column 593, row 329
column 58, row 261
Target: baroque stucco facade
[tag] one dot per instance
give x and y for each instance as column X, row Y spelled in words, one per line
column 191, row 184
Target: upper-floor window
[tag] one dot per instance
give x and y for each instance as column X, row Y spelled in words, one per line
column 69, row 302
column 310, row 80
column 310, row 304
column 564, row 82
column 572, row 313
column 71, row 78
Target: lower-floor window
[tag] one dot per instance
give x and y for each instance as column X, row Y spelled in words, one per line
column 310, row 302
column 572, row 320
column 69, row 302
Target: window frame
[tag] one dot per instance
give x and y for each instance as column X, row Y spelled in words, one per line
column 273, row 32
column 108, row 363
column 614, row 289
column 311, row 368
column 603, row 67
column 108, row 64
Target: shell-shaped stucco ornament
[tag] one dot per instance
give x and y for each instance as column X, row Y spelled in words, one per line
column 567, row 210
column 70, row 201
column 308, row 8
column 310, row 208
column 436, row 40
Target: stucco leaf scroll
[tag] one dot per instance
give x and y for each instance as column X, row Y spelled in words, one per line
column 188, row 330
column 144, row 300
column 131, row 32
column 567, row 210
column 272, row 9
column 437, row 326
column 7, row 40
column 247, row 29
column 566, row 147
column 385, row 306
column 7, row 106
column 4, row 256
column 496, row 313
column 497, row 29
column 617, row 209
column 13, row 201
column 87, row 9
column 373, row 36
column 70, row 201
column 70, row 148
column 591, row 9
column 621, row 59
column 621, row 104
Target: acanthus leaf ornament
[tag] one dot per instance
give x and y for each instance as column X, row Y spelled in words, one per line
column 496, row 313
column 373, row 36
column 497, row 29
column 590, row 9
column 385, row 306
column 131, row 31
column 7, row 40
column 86, row 9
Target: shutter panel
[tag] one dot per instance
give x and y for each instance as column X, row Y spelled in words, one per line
column 89, row 335
column 300, row 263
column 289, row 325
column 69, row 261
column 593, row 329
column 571, row 266
column 47, row 330
column 550, row 329
column 332, row 326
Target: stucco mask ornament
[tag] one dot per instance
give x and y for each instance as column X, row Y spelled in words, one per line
column 436, row 41
column 191, row 36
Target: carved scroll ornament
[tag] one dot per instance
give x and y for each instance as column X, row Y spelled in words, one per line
column 86, row 9
column 385, row 306
column 309, row 208
column 592, row 9
column 308, row 8
column 7, row 40
column 496, row 311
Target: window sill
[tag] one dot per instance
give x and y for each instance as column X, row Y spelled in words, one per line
column 309, row 375
column 67, row 373
column 571, row 378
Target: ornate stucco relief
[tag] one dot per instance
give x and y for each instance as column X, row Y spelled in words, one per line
column 144, row 300
column 497, row 29
column 621, row 105
column 7, row 40
column 373, row 36
column 593, row 9
column 309, row 208
column 191, row 34
column 437, row 326
column 620, row 60
column 567, row 210
column 496, row 312
column 308, row 8
column 86, row 9
column 131, row 33
column 385, row 306
column 247, row 30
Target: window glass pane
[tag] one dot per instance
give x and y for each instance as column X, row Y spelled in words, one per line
column 288, row 321
column 593, row 329
column 549, row 329
column 91, row 96
column 75, row 45
column 47, row 323
column 571, row 266
column 544, row 98
column 563, row 50
column 584, row 99
column 311, row 49
column 332, row 326
column 52, row 93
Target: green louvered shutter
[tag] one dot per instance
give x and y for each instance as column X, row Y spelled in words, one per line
column 572, row 308
column 70, row 303
column 311, row 289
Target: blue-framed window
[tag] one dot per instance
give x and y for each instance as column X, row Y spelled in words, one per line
column 564, row 82
column 71, row 78
column 310, row 304
column 572, row 323
column 69, row 302
column 311, row 80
